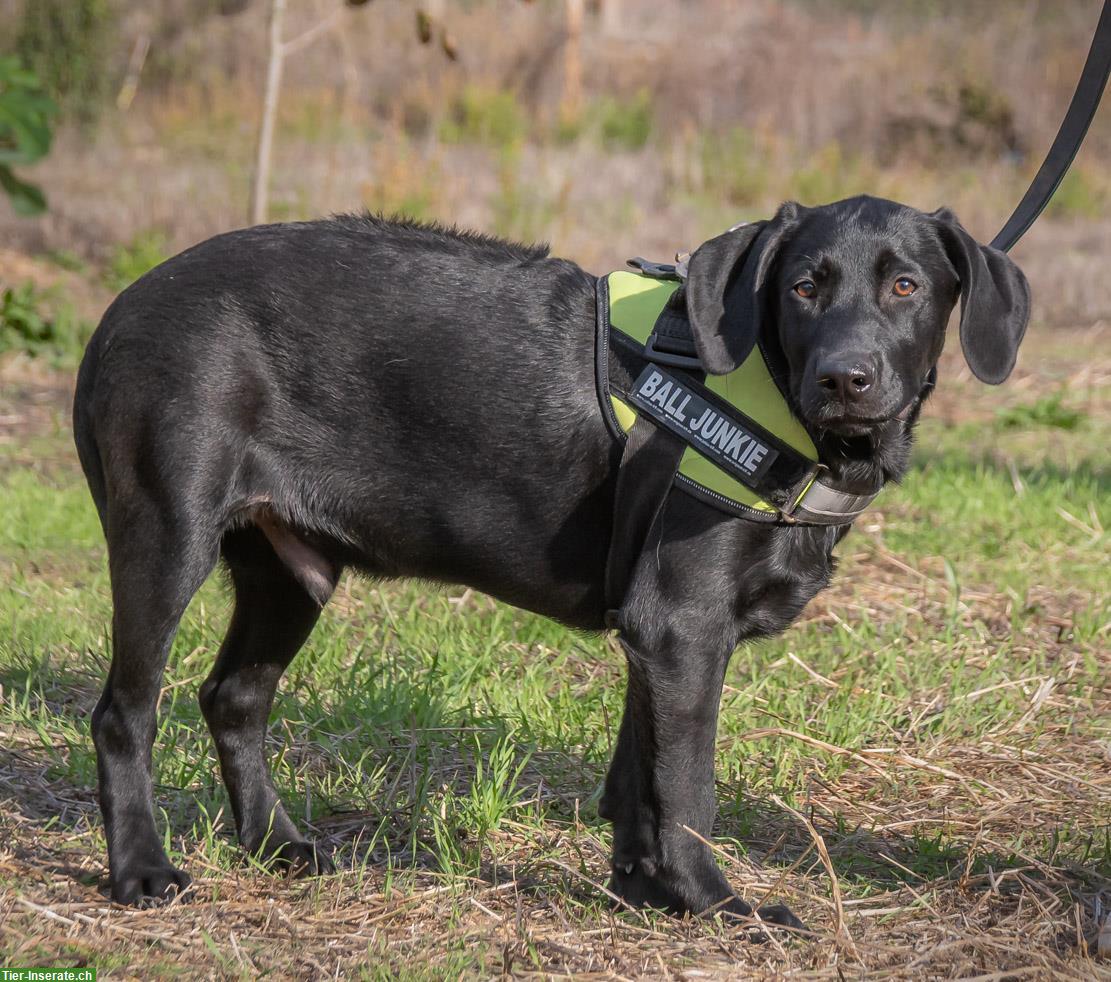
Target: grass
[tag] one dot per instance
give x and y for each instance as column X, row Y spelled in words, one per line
column 1047, row 411
column 939, row 718
column 403, row 182
column 132, row 259
column 36, row 322
column 492, row 117
column 625, row 124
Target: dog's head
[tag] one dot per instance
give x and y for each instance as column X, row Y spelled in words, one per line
column 852, row 300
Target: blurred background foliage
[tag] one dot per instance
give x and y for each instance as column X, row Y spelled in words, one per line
column 26, row 133
column 608, row 127
column 69, row 45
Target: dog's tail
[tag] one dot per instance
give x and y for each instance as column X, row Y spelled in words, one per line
column 83, row 429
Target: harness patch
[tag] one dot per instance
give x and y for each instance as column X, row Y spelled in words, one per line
column 676, row 406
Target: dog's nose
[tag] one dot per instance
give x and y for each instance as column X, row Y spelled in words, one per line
column 848, row 378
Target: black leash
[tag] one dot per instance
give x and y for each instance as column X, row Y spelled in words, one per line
column 651, row 456
column 1074, row 127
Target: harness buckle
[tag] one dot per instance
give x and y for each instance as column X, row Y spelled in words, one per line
column 657, row 271
column 801, row 490
column 672, row 352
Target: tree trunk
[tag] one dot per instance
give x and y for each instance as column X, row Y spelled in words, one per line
column 260, row 191
column 572, row 61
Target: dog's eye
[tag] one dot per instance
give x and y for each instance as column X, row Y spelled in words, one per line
column 904, row 287
column 805, row 289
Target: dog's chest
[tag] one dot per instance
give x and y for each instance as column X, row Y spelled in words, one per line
column 792, row 565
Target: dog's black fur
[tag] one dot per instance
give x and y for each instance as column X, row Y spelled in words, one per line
column 413, row 401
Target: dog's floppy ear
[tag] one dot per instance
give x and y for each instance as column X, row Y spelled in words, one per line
column 995, row 301
column 724, row 277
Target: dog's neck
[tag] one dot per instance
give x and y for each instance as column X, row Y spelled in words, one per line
column 861, row 464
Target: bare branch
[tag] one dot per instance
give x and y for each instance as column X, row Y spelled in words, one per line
column 260, row 191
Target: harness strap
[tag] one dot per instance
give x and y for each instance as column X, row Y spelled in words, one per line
column 782, row 477
column 649, row 464
column 648, row 468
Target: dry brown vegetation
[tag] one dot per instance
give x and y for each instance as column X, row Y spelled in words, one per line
column 926, row 853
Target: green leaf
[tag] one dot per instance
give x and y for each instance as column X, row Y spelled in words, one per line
column 26, row 199
column 23, row 123
column 25, row 133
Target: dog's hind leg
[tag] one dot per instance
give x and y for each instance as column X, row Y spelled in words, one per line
column 274, row 614
column 157, row 560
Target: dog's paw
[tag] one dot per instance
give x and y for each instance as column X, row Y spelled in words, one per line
column 635, row 887
column 302, row 858
column 781, row 916
column 149, row 886
column 772, row 919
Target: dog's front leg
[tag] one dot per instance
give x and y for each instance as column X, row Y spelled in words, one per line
column 659, row 793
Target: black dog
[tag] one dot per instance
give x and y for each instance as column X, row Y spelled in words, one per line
column 410, row 401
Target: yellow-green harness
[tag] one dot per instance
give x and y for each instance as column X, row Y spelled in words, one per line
column 635, row 302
